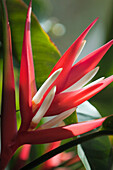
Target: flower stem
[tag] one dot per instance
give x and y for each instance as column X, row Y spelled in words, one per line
column 7, row 155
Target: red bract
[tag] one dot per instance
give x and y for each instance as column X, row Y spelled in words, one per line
column 8, row 111
column 61, row 93
column 27, row 79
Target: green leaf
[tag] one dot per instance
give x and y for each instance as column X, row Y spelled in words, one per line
column 40, row 8
column 97, row 152
column 86, row 111
column 44, row 51
column 72, row 119
column 83, row 157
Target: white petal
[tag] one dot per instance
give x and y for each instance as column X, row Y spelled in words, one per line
column 38, row 96
column 44, row 107
column 80, row 49
column 83, row 81
column 57, row 119
column 95, row 82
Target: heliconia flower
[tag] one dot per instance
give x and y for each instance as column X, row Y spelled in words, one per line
column 59, row 96
column 65, row 87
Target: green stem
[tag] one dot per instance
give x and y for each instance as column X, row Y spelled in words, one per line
column 64, row 147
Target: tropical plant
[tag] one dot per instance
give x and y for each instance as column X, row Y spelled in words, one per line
column 59, row 96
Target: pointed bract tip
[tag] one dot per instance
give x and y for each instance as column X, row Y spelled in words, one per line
column 59, row 70
column 111, row 77
column 30, row 3
column 56, row 73
column 29, row 9
column 97, row 68
column 108, row 44
column 111, row 41
column 54, row 89
column 91, row 25
column 84, row 42
column 88, row 29
column 95, row 20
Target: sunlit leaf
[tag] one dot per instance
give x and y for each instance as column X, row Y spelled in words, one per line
column 86, row 111
column 83, row 157
column 44, row 51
